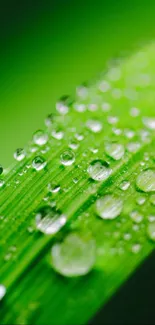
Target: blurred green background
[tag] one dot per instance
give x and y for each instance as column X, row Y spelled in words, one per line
column 49, row 47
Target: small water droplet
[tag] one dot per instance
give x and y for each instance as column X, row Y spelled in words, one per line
column 63, row 104
column 99, row 170
column 149, row 122
column 67, row 158
column 136, row 248
column 2, row 291
column 152, row 199
column 124, row 185
column 74, row 144
column 57, row 134
column 49, row 120
column 136, row 216
column 40, row 138
column 114, row 150
column 79, row 107
column 141, row 200
column 151, row 231
column 53, row 188
column 49, row 220
column 39, row 163
column 19, row 154
column 109, row 207
column 2, row 183
column 106, row 107
column 75, row 256
column 94, row 125
column 146, row 180
column 127, row 236
column 82, row 91
column 133, row 146
column 112, row 119
column 134, row 111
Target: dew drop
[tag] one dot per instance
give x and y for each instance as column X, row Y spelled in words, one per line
column 75, row 256
column 2, row 183
column 2, row 291
column 136, row 216
column 141, row 200
column 152, row 199
column 57, row 134
column 124, row 185
column 49, row 220
column 146, row 180
column 151, row 231
column 19, row 154
column 114, row 150
column 99, row 170
column 133, row 146
column 40, row 138
column 63, row 104
column 149, row 122
column 136, row 248
column 134, row 111
column 49, row 120
column 94, row 125
column 53, row 188
column 109, row 207
column 39, row 163
column 67, row 158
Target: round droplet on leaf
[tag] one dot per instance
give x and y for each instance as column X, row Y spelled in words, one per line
column 49, row 220
column 146, row 180
column 109, row 206
column 99, row 170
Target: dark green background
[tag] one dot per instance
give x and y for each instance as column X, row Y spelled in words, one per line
column 49, row 47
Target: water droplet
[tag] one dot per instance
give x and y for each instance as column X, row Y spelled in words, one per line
column 124, row 185
column 67, row 158
column 19, row 154
column 127, row 236
column 141, row 200
column 134, row 111
column 99, row 170
column 129, row 133
column 63, row 104
column 136, row 248
column 49, row 220
column 149, row 122
column 146, row 180
column 106, row 107
column 133, row 146
column 74, row 145
column 109, row 207
column 112, row 119
column 75, row 256
column 2, row 291
column 104, row 86
column 1, row 170
column 40, row 138
column 79, row 107
column 114, row 150
column 39, row 163
column 57, row 134
column 136, row 216
column 79, row 136
column 94, row 125
column 151, row 218
column 49, row 120
column 151, row 231
column 82, row 91
column 2, row 183
column 152, row 199
column 53, row 188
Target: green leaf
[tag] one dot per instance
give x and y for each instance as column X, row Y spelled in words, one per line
column 89, row 165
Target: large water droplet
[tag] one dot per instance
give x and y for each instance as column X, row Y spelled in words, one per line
column 151, row 231
column 99, row 170
column 49, row 220
column 19, row 154
column 114, row 150
column 149, row 122
column 39, row 163
column 2, row 291
column 146, row 180
column 109, row 207
column 94, row 125
column 67, row 158
column 40, row 138
column 75, row 256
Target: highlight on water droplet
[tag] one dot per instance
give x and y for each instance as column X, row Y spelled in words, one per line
column 19, row 154
column 2, row 291
column 49, row 220
column 146, row 180
column 109, row 206
column 74, row 256
column 67, row 157
column 40, row 138
column 149, row 122
column 39, row 163
column 99, row 170
column 114, row 150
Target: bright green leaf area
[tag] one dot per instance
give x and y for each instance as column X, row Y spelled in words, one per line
column 35, row 292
